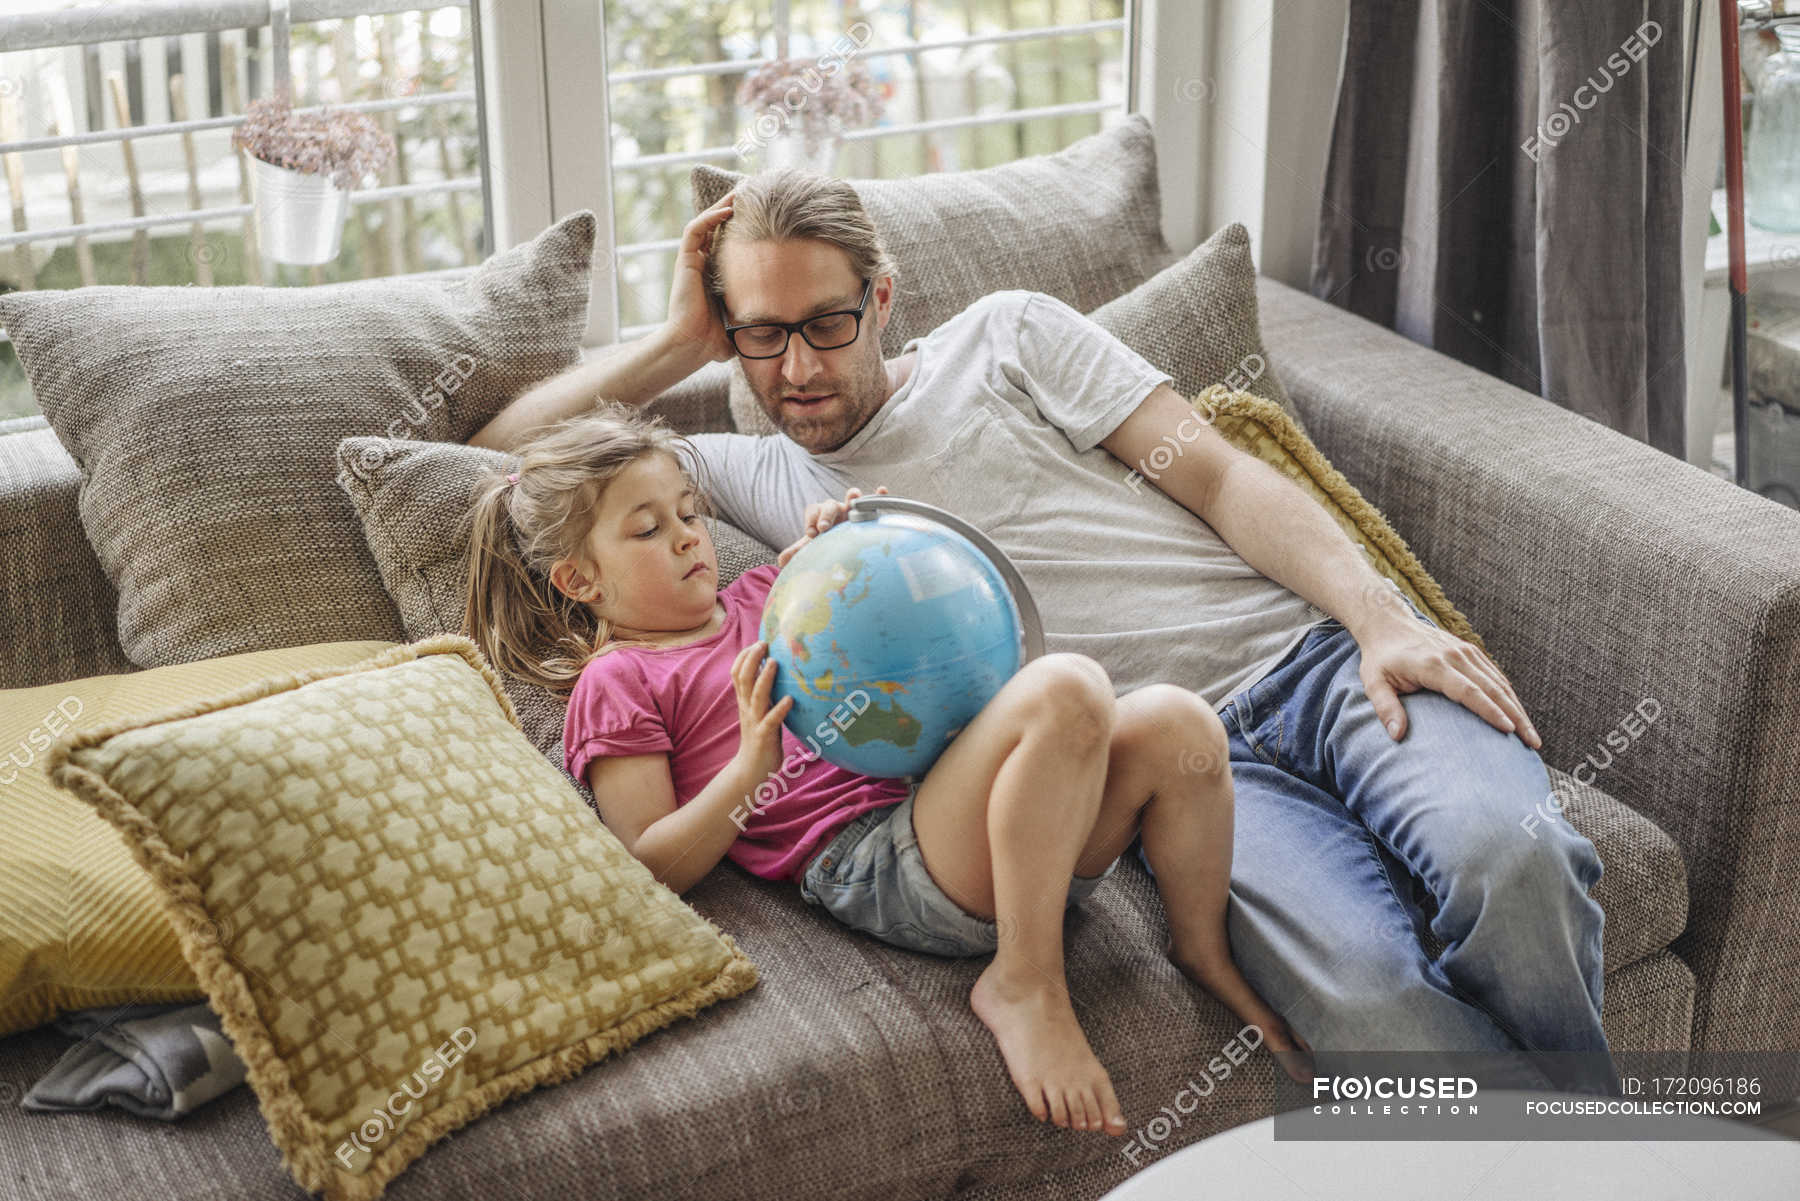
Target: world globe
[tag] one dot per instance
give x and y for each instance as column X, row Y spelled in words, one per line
column 891, row 631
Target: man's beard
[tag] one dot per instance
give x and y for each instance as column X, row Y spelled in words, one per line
column 856, row 395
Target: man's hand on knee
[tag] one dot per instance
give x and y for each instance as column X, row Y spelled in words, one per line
column 1406, row 654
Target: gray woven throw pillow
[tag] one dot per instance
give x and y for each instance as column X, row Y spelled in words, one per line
column 411, row 498
column 205, row 422
column 1198, row 320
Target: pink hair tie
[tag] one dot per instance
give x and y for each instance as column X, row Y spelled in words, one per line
column 513, row 478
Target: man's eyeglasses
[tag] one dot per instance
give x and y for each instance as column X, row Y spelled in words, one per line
column 827, row 331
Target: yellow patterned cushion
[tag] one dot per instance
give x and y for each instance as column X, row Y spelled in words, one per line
column 1260, row 428
column 80, row 923
column 401, row 911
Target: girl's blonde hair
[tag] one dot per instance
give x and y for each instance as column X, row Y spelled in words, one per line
column 516, row 532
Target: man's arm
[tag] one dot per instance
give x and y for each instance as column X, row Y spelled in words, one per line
column 635, row 372
column 1275, row 527
column 1281, row 532
column 632, row 373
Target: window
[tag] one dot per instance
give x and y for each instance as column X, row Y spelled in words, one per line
column 961, row 84
column 489, row 154
column 170, row 204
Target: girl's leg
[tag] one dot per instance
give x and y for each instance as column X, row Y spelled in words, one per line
column 1169, row 779
column 1001, row 819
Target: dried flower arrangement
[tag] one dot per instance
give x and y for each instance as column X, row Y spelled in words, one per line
column 795, row 89
column 340, row 144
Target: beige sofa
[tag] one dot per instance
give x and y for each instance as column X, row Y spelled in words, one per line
column 1599, row 571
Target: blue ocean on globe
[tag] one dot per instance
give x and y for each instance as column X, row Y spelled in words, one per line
column 890, row 634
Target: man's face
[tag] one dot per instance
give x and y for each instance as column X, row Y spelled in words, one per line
column 818, row 398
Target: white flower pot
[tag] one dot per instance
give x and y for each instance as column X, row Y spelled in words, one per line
column 789, row 149
column 299, row 217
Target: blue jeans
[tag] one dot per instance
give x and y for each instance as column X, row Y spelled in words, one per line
column 1339, row 833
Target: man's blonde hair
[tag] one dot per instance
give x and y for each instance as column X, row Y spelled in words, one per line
column 787, row 204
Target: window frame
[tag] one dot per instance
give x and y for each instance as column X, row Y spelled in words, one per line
column 544, row 159
column 550, row 144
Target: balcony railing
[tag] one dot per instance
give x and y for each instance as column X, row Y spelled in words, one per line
column 121, row 80
column 116, row 48
column 935, row 95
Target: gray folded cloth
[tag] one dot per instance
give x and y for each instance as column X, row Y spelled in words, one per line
column 157, row 1061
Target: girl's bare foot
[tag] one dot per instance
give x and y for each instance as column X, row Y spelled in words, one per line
column 1220, row 977
column 1045, row 1050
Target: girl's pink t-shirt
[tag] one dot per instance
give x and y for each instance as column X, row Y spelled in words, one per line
column 679, row 700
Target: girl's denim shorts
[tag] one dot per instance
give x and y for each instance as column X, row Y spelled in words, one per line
column 871, row 877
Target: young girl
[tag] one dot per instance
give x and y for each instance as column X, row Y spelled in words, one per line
column 591, row 572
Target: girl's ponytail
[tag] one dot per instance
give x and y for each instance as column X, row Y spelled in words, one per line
column 504, row 610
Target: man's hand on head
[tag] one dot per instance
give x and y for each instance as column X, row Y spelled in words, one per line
column 633, row 372
column 693, row 317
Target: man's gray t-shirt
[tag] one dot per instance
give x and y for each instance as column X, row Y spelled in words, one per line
column 1000, row 424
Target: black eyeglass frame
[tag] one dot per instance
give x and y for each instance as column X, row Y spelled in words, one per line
column 799, row 327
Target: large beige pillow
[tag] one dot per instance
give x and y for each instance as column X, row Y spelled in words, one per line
column 205, row 422
column 411, row 497
column 401, row 914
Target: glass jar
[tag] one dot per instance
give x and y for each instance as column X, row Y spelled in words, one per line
column 1754, row 43
column 1772, row 159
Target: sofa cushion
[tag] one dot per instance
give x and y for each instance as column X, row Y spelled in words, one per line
column 845, row 1042
column 205, row 422
column 410, row 497
column 82, row 924
column 401, row 914
column 1197, row 321
column 699, row 403
column 1083, row 224
column 60, row 609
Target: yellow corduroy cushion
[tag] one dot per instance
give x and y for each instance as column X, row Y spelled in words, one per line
column 80, row 922
column 1258, row 427
column 401, row 911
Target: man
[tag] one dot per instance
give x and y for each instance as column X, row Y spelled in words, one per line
column 1026, row 419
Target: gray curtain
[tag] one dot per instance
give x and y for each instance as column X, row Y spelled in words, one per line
column 1504, row 185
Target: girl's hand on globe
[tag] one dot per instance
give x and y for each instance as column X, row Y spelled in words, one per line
column 821, row 517
column 759, row 724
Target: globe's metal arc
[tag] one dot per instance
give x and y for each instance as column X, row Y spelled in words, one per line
column 867, row 508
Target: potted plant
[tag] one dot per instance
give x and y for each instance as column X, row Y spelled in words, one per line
column 799, row 110
column 303, row 167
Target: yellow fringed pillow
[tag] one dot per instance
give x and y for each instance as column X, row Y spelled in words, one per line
column 401, row 911
column 1260, row 428
column 80, row 922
